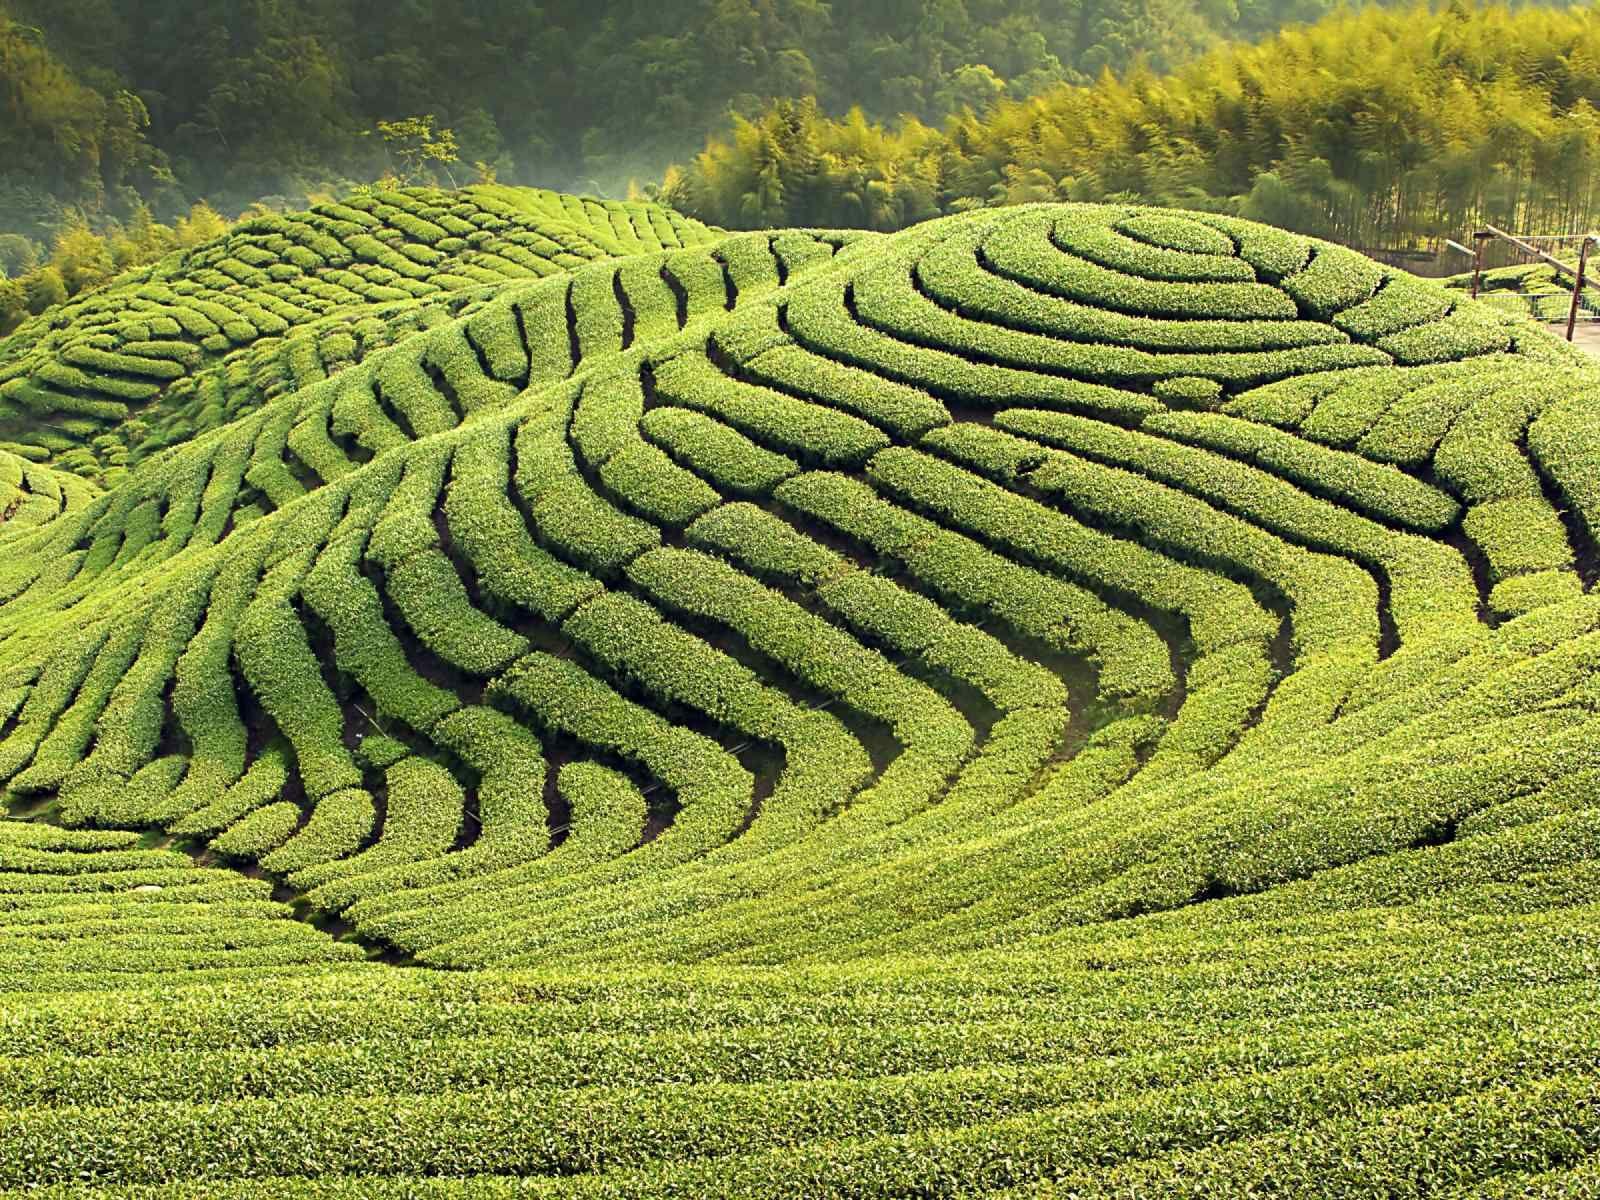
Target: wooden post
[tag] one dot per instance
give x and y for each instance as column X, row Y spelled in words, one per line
column 1577, row 286
column 1478, row 240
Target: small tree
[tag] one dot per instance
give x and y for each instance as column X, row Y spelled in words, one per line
column 44, row 289
column 415, row 149
column 82, row 257
column 13, row 305
column 202, row 224
column 18, row 255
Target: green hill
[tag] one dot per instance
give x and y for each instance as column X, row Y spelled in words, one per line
column 285, row 301
column 1060, row 700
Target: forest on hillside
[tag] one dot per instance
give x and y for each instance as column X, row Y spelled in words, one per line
column 1378, row 128
column 111, row 103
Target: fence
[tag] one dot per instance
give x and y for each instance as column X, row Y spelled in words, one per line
column 1489, row 235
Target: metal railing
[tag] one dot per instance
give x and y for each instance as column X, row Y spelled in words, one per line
column 1489, row 233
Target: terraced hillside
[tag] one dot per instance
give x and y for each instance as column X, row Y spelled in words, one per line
column 1062, row 700
column 284, row 301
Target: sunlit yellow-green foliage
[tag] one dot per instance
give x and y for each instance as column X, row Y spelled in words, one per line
column 792, row 160
column 66, row 144
column 1376, row 128
column 419, row 151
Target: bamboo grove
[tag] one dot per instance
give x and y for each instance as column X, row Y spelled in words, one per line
column 1376, row 128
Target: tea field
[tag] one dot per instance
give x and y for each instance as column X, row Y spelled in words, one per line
column 506, row 695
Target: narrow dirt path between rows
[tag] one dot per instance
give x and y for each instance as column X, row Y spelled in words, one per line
column 1585, row 336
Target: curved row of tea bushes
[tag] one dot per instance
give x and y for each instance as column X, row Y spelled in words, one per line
column 31, row 494
column 88, row 905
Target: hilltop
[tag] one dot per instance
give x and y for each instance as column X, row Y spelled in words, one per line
column 1067, row 697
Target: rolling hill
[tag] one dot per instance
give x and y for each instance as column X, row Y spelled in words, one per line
column 1062, row 700
column 284, row 301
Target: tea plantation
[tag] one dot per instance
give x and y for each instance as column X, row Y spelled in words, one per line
column 503, row 695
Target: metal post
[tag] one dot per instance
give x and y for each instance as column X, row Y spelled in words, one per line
column 1577, row 286
column 1478, row 240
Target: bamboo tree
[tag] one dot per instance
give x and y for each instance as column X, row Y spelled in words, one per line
column 1380, row 128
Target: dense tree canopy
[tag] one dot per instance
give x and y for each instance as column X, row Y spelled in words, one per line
column 1379, row 128
column 251, row 98
column 65, row 142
